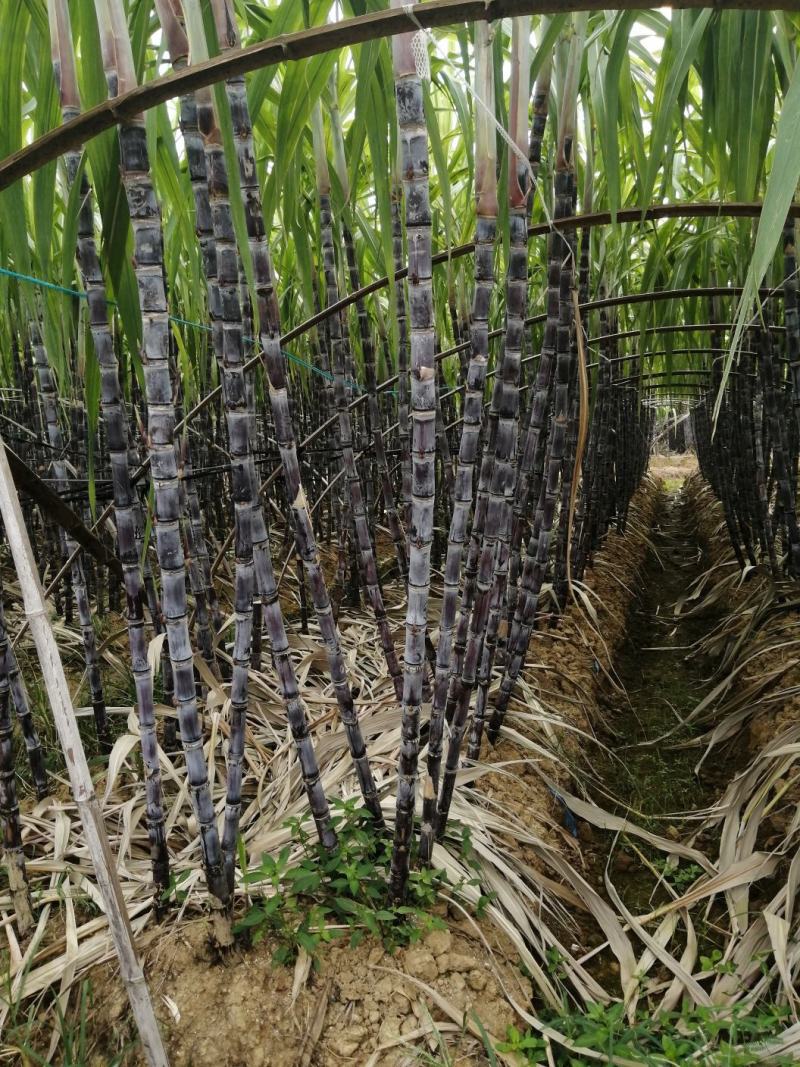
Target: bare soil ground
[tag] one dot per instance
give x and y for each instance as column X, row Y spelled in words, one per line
column 673, row 468
column 357, row 1005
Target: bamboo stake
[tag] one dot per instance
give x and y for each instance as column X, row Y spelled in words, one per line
column 80, row 778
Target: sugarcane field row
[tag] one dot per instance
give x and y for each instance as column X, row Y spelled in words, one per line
column 399, row 447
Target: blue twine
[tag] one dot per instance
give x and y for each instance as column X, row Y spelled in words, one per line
column 569, row 819
column 45, row 285
column 31, row 279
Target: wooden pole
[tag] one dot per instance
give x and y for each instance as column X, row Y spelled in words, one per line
column 79, row 776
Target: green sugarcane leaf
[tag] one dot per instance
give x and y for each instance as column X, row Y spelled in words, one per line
column 304, row 259
column 69, row 240
column 148, row 526
column 369, row 106
column 680, row 49
column 544, row 50
column 780, row 191
column 460, row 102
column 254, row 917
column 754, row 101
column 607, row 127
column 12, row 200
column 288, row 16
column 376, row 120
column 303, row 85
column 241, row 852
column 45, row 117
column 103, row 156
column 440, row 163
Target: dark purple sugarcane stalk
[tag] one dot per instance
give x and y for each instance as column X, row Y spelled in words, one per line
column 284, row 667
column 726, row 442
column 539, row 400
column 198, row 561
column 10, row 668
column 496, row 605
column 403, row 433
column 742, row 460
column 127, row 512
column 443, row 442
column 576, row 560
column 9, row 804
column 588, row 501
column 747, row 423
column 373, row 419
column 473, row 553
column 253, row 558
column 195, row 548
column 753, row 417
column 197, row 551
column 572, row 496
column 160, row 389
column 287, row 678
column 237, row 419
column 493, row 559
column 541, row 102
column 379, row 448
column 790, row 311
column 269, row 326
column 722, row 463
column 560, row 586
column 248, row 349
column 367, row 344
column 780, row 458
column 533, row 573
column 610, row 446
column 337, row 347
column 49, row 398
column 9, row 814
column 413, row 142
column 485, row 237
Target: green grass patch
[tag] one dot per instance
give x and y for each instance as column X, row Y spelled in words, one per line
column 727, row 1037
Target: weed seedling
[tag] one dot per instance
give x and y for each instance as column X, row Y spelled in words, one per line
column 330, row 894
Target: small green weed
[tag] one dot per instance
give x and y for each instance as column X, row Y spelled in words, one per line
column 175, row 888
column 27, row 1027
column 706, row 1036
column 715, row 963
column 327, row 895
column 679, row 877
